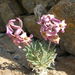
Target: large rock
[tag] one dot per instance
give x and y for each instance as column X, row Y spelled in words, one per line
column 13, row 6
column 8, row 9
column 66, row 10
column 29, row 5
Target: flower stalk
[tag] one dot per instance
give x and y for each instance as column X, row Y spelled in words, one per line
column 49, row 45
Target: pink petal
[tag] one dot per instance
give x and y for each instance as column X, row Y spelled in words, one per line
column 31, row 36
column 20, row 22
column 18, row 31
column 56, row 20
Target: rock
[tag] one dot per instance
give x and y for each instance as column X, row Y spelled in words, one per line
column 8, row 10
column 16, row 57
column 39, row 10
column 72, row 0
column 29, row 5
column 9, row 67
column 13, row 6
column 64, row 66
column 66, row 10
column 31, row 26
column 9, row 51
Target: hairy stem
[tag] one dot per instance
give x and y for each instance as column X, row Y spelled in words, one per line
column 49, row 45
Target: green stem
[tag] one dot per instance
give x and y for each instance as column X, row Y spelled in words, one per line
column 54, row 46
column 49, row 45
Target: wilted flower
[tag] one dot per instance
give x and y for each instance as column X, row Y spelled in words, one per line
column 50, row 26
column 16, row 33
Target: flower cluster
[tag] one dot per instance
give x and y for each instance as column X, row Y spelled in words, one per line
column 50, row 26
column 16, row 33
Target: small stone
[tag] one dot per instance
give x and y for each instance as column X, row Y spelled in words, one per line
column 16, row 57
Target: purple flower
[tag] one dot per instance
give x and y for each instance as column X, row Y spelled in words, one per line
column 50, row 27
column 16, row 33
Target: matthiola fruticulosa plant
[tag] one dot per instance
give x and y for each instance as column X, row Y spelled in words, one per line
column 50, row 27
column 39, row 54
column 17, row 34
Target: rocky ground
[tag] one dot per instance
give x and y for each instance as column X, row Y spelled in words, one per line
column 13, row 61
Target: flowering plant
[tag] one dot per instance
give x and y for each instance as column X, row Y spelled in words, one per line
column 40, row 55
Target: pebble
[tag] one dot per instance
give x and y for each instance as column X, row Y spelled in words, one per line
column 16, row 57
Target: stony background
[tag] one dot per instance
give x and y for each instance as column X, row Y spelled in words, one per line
column 12, row 60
